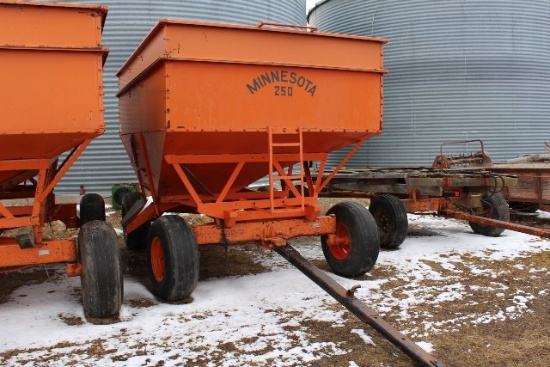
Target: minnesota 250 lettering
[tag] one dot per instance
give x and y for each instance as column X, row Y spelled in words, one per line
column 284, row 83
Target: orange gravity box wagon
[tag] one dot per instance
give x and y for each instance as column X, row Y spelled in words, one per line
column 208, row 109
column 51, row 94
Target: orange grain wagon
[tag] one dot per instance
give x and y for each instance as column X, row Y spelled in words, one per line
column 51, row 102
column 207, row 109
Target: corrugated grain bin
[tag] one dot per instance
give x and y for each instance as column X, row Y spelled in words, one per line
column 205, row 89
column 460, row 70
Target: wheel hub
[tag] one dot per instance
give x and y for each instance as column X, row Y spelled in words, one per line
column 340, row 242
column 157, row 259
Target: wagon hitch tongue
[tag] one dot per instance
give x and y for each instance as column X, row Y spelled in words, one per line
column 355, row 306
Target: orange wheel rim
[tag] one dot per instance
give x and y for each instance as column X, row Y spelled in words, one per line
column 340, row 247
column 157, row 259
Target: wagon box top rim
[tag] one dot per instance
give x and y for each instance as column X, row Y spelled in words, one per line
column 164, row 22
column 102, row 9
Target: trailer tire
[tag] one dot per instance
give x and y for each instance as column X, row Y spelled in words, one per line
column 497, row 209
column 101, row 278
column 391, row 219
column 137, row 239
column 92, row 207
column 118, row 195
column 173, row 258
column 356, row 244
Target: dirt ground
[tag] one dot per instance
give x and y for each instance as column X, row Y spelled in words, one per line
column 524, row 341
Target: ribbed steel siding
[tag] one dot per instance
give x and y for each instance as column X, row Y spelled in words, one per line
column 458, row 70
column 105, row 162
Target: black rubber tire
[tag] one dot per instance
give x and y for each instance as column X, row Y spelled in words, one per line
column 92, row 207
column 497, row 208
column 136, row 240
column 364, row 242
column 391, row 219
column 119, row 194
column 180, row 258
column 101, row 278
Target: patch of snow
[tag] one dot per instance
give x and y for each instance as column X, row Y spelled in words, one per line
column 428, row 347
column 367, row 339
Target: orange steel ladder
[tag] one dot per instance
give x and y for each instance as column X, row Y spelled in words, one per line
column 275, row 143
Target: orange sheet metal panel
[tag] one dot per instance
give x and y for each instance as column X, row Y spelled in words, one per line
column 51, row 77
column 197, row 88
column 51, row 251
column 24, row 23
column 219, row 77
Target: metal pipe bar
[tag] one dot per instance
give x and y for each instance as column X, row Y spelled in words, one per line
column 319, row 179
column 285, row 177
column 230, row 181
column 42, row 193
column 187, row 183
column 342, row 164
column 4, row 212
column 148, row 173
column 496, row 223
column 309, row 179
column 236, row 158
column 359, row 309
column 135, row 162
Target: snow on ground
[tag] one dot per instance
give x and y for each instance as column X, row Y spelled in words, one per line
column 260, row 314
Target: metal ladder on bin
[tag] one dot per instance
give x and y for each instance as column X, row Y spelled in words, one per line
column 275, row 143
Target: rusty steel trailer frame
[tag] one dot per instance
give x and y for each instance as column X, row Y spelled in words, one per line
column 532, row 184
column 533, row 189
column 450, row 193
column 420, row 189
column 532, row 171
